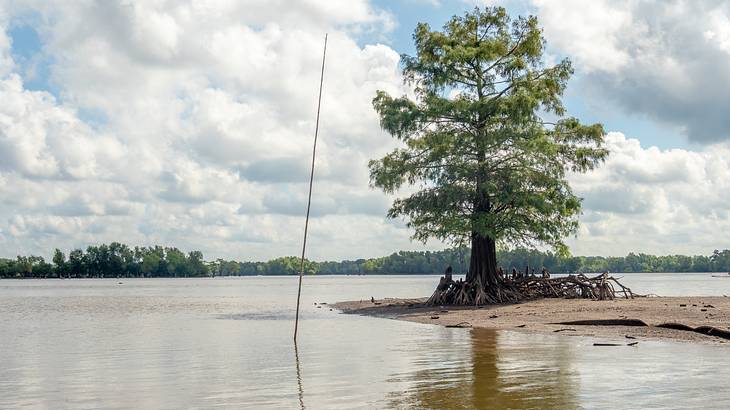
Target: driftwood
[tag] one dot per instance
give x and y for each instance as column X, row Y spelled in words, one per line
column 616, row 344
column 460, row 325
column 676, row 326
column 605, row 322
column 705, row 330
column 601, row 287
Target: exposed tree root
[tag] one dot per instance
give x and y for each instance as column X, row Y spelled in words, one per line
column 601, row 287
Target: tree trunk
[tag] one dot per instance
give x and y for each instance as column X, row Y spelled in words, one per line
column 483, row 262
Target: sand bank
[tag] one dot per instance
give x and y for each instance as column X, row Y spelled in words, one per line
column 544, row 316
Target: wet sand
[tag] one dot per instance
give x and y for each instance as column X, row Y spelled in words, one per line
column 544, row 315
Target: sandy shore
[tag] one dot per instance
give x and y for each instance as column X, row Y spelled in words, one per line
column 543, row 315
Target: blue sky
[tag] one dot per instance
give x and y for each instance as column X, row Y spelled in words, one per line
column 27, row 51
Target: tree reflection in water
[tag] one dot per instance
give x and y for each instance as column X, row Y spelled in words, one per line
column 500, row 370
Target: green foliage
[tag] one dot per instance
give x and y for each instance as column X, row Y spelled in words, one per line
column 59, row 261
column 108, row 261
column 287, row 265
column 170, row 262
column 486, row 138
column 403, row 262
column 519, row 258
column 410, row 262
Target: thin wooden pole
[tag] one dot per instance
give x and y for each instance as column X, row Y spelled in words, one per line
column 311, row 180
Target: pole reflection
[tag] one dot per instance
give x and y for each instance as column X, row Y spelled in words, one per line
column 299, row 377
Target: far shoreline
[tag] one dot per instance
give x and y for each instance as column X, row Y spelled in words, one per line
column 707, row 314
column 720, row 275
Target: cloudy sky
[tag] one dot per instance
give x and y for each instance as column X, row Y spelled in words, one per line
column 189, row 123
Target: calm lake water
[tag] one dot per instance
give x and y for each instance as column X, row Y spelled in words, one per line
column 226, row 343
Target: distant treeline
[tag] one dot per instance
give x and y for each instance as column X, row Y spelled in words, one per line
column 109, row 261
column 718, row 261
column 119, row 260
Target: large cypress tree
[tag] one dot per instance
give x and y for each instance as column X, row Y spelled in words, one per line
column 486, row 140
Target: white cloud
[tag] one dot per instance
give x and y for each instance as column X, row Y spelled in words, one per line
column 38, row 138
column 593, row 35
column 204, row 120
column 719, row 31
column 655, row 201
column 667, row 60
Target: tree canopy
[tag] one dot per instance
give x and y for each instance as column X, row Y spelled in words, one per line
column 486, row 143
column 486, row 137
